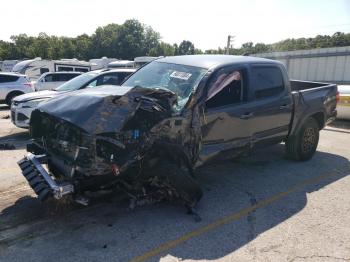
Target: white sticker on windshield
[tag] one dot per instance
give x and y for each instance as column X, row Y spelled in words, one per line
column 180, row 75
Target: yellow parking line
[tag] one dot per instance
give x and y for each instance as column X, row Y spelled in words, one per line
column 226, row 219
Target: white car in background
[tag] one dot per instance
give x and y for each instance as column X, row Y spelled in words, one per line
column 12, row 85
column 343, row 106
column 22, row 106
column 51, row 80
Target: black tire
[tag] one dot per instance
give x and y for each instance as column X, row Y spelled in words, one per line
column 303, row 145
column 12, row 96
column 177, row 178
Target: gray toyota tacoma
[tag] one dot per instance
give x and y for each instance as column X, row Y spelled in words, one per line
column 170, row 117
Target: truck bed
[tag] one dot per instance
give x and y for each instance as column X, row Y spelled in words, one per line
column 313, row 99
column 297, row 85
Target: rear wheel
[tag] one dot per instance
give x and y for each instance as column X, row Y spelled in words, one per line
column 12, row 96
column 303, row 145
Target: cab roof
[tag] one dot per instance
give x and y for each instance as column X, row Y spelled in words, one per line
column 210, row 61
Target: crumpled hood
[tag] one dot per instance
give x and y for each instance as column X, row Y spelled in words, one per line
column 36, row 95
column 104, row 109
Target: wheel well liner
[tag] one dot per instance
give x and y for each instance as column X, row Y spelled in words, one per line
column 15, row 92
column 319, row 117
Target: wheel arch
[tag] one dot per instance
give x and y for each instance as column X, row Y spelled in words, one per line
column 319, row 116
column 14, row 92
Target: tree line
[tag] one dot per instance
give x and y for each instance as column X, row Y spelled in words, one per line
column 132, row 39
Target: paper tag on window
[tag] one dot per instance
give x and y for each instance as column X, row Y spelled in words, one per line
column 180, row 75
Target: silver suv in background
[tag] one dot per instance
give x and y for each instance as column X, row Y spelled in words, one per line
column 22, row 106
column 51, row 80
column 12, row 85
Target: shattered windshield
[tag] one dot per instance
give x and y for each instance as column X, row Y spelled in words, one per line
column 180, row 79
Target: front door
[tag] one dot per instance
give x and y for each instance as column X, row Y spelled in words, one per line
column 225, row 123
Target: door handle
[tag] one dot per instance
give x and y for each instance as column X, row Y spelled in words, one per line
column 284, row 107
column 246, row 115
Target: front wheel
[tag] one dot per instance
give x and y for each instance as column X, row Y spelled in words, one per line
column 303, row 145
column 178, row 183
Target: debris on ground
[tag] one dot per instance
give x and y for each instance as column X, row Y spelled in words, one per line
column 5, row 117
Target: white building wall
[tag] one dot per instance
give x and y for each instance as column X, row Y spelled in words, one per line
column 323, row 64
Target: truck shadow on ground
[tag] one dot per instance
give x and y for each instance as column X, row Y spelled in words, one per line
column 19, row 140
column 108, row 229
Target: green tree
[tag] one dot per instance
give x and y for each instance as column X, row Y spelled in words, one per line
column 162, row 49
column 186, row 48
column 104, row 41
column 133, row 38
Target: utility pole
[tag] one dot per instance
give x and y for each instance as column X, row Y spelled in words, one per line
column 230, row 39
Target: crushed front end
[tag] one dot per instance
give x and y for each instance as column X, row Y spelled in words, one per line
column 112, row 141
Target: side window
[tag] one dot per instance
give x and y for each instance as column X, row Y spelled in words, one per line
column 124, row 76
column 65, row 77
column 70, row 76
column 110, row 79
column 92, row 83
column 48, row 78
column 267, row 81
column 8, row 78
column 107, row 79
column 227, row 87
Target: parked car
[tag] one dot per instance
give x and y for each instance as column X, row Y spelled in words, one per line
column 170, row 117
column 52, row 80
column 23, row 105
column 344, row 102
column 12, row 85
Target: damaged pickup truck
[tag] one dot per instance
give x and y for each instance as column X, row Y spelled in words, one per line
column 170, row 117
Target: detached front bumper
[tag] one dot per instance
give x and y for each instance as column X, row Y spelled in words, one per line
column 40, row 180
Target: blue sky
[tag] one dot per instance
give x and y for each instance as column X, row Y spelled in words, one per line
column 205, row 23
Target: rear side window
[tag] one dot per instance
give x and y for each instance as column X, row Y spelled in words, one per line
column 66, row 77
column 267, row 81
column 59, row 77
column 8, row 78
column 49, row 78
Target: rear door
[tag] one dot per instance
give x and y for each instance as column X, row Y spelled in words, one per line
column 271, row 104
